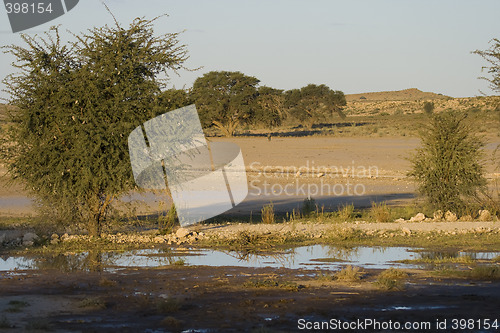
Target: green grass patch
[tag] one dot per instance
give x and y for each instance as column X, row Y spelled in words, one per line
column 273, row 283
column 391, row 279
column 92, row 302
column 482, row 272
column 168, row 305
column 349, row 274
column 16, row 306
column 5, row 323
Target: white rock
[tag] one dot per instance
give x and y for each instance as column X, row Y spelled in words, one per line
column 30, row 237
column 182, row 232
column 450, row 217
column 484, row 215
column 438, row 215
column 418, row 218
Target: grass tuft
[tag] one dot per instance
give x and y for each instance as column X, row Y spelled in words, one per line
column 391, row 279
column 267, row 213
column 348, row 274
column 16, row 306
column 346, row 212
column 380, row 212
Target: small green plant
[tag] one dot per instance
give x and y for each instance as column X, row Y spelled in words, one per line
column 172, row 322
column 267, row 214
column 325, row 276
column 292, row 217
column 178, row 262
column 488, row 272
column 16, row 306
column 348, row 274
column 5, row 323
column 168, row 305
column 273, row 283
column 166, row 223
column 391, row 279
column 105, row 282
column 346, row 212
column 309, row 207
column 92, row 302
column 428, row 107
column 380, row 212
column 38, row 324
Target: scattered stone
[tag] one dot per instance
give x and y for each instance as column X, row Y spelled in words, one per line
column 182, row 232
column 400, row 220
column 159, row 239
column 406, row 231
column 321, row 174
column 418, row 218
column 484, row 215
column 54, row 241
column 30, row 237
column 438, row 215
column 54, row 236
column 298, row 174
column 450, row 217
column 466, row 218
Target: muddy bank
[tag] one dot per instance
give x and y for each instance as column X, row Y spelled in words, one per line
column 229, row 299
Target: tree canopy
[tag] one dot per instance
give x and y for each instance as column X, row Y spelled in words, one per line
column 77, row 102
column 492, row 55
column 225, row 99
column 314, row 103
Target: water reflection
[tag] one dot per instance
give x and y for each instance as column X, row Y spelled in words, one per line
column 305, row 257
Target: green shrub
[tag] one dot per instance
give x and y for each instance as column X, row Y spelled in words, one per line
column 309, row 207
column 380, row 212
column 166, row 223
column 391, row 279
column 346, row 212
column 428, row 107
column 348, row 274
column 446, row 167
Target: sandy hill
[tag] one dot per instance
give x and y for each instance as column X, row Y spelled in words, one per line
column 412, row 94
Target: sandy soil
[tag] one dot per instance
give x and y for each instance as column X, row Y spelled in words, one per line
column 332, row 170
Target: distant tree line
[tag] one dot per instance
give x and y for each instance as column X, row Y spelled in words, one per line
column 227, row 100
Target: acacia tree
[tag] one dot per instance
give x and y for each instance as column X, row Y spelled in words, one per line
column 225, row 99
column 314, row 103
column 492, row 56
column 270, row 109
column 77, row 103
column 447, row 167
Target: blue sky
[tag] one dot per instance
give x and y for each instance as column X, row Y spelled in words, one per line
column 352, row 45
